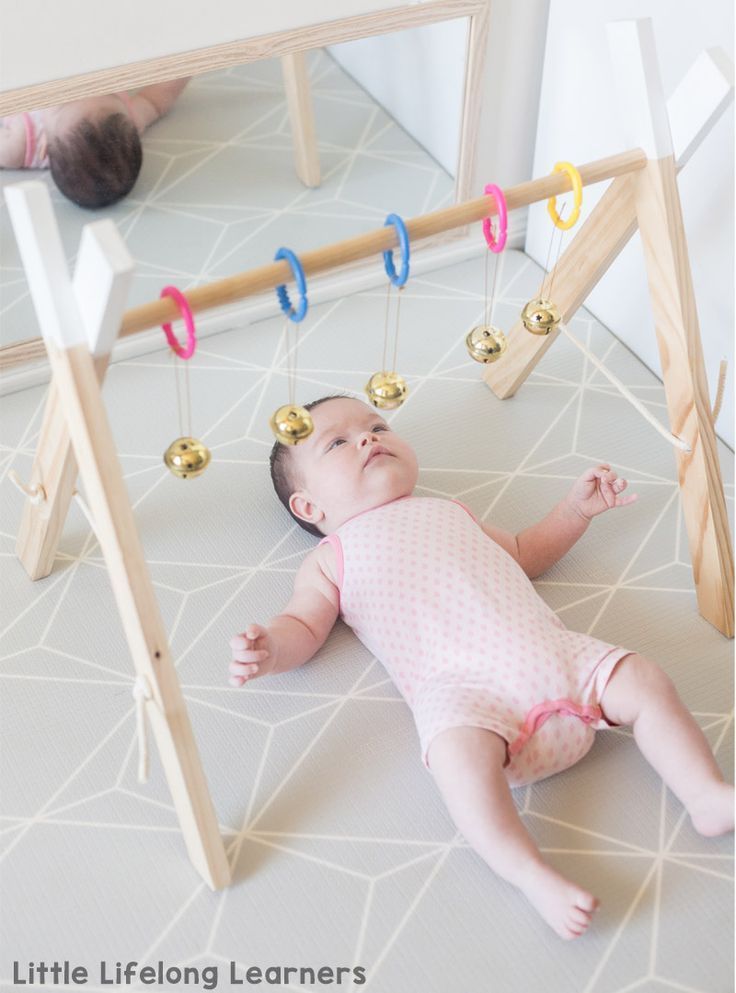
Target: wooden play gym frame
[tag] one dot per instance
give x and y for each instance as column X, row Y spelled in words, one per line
column 81, row 317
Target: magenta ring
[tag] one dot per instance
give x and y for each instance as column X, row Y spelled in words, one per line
column 498, row 243
column 187, row 351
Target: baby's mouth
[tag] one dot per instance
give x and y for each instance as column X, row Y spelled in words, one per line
column 378, row 450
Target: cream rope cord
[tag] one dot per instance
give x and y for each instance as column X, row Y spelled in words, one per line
column 37, row 495
column 719, row 389
column 625, row 392
column 142, row 694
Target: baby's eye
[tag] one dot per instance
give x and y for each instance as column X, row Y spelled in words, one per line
column 376, row 427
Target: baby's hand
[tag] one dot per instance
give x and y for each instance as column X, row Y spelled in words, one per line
column 598, row 490
column 253, row 654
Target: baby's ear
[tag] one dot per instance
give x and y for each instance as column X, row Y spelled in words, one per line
column 302, row 506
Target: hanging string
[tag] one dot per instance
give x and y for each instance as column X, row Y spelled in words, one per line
column 296, row 360
column 498, row 262
column 188, row 407
column 292, row 356
column 175, row 366
column 183, row 396
column 549, row 256
column 398, row 325
column 385, row 327
column 559, row 251
column 489, row 307
column 557, row 259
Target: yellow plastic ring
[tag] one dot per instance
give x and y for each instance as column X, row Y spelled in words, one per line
column 577, row 189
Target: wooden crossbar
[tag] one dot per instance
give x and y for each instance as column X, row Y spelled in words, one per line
column 340, row 253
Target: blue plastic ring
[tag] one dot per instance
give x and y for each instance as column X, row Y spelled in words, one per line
column 294, row 314
column 388, row 257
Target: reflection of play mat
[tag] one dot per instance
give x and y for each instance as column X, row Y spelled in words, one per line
column 349, row 856
column 218, row 186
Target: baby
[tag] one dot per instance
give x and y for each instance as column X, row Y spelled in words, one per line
column 92, row 147
column 501, row 692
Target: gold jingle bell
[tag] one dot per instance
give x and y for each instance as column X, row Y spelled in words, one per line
column 540, row 316
column 291, row 424
column 386, row 390
column 187, row 458
column 486, row 343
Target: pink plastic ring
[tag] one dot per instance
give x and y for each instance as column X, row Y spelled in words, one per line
column 498, row 243
column 186, row 313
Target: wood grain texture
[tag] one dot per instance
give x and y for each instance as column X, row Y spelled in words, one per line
column 339, row 254
column 78, row 388
column 54, row 468
column 237, row 52
column 688, row 399
column 473, row 90
column 301, row 117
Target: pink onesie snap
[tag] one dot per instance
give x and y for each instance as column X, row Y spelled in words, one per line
column 466, row 638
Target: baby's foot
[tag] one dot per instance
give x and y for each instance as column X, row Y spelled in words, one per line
column 567, row 908
column 712, row 812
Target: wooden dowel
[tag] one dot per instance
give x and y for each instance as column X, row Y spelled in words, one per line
column 266, row 277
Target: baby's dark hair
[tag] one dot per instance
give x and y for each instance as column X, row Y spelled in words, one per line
column 98, row 162
column 283, row 475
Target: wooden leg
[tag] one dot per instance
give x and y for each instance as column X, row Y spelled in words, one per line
column 55, row 469
column 609, row 227
column 473, row 92
column 81, row 402
column 301, row 114
column 688, row 400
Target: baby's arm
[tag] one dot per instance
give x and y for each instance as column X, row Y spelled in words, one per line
column 154, row 101
column 538, row 547
column 12, row 142
column 294, row 635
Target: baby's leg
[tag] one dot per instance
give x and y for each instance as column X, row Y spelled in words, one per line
column 640, row 694
column 467, row 764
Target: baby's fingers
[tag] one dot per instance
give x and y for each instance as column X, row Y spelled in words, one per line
column 243, row 668
column 250, row 655
column 252, row 633
column 623, row 501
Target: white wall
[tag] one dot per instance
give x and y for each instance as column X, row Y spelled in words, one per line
column 579, row 121
column 418, row 77
column 79, row 36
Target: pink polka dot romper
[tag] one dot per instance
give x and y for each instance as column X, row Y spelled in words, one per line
column 466, row 638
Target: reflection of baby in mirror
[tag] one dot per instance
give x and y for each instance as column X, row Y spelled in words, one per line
column 92, row 147
column 501, row 692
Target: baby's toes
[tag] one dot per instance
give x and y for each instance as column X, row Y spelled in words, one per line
column 586, row 901
column 578, row 920
column 569, row 932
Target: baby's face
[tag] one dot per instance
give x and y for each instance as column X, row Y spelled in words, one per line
column 340, row 472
